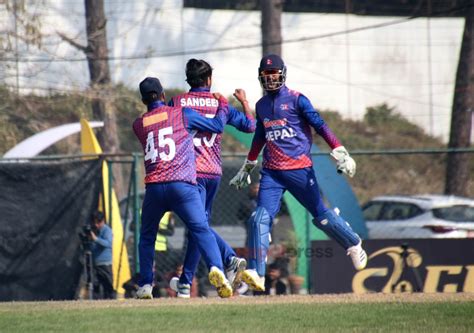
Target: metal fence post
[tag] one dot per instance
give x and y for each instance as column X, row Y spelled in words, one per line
column 308, row 252
column 136, row 212
column 110, row 180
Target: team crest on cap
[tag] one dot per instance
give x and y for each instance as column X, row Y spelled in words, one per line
column 269, row 62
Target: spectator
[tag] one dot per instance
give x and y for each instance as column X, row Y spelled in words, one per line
column 162, row 255
column 101, row 236
column 274, row 284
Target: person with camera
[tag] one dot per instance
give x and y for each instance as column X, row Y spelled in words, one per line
column 101, row 237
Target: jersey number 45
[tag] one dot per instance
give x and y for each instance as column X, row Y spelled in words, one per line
column 164, row 140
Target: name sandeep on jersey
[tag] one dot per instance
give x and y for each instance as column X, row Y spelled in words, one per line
column 199, row 101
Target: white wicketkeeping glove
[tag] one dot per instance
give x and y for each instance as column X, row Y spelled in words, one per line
column 242, row 178
column 344, row 162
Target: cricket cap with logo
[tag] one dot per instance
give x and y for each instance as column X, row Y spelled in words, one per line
column 150, row 85
column 271, row 61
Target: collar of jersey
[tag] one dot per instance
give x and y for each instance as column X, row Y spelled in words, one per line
column 273, row 93
column 200, row 89
column 155, row 105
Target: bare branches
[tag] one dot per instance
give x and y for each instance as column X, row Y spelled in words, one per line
column 73, row 43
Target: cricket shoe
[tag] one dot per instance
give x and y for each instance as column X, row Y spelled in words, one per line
column 183, row 290
column 234, row 271
column 253, row 280
column 218, row 280
column 242, row 288
column 358, row 256
column 145, row 292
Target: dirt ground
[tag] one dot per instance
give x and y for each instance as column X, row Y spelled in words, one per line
column 301, row 299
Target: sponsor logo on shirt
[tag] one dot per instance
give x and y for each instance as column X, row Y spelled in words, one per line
column 277, row 129
column 278, row 123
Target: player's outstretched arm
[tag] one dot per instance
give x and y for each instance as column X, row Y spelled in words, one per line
column 344, row 162
column 242, row 122
column 194, row 121
column 241, row 96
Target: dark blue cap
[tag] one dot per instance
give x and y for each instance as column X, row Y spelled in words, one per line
column 150, row 85
column 271, row 61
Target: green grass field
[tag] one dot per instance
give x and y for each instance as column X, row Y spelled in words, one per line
column 333, row 313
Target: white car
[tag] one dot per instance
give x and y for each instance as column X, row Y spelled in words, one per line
column 419, row 216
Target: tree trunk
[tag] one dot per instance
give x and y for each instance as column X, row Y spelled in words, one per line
column 102, row 107
column 271, row 26
column 457, row 169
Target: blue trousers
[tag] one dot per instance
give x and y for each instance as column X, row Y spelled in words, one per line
column 208, row 189
column 302, row 184
column 184, row 200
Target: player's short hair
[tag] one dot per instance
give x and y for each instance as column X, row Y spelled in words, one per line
column 274, row 266
column 150, row 98
column 197, row 72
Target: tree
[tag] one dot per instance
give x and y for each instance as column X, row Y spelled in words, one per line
column 96, row 52
column 457, row 169
column 22, row 30
column 271, row 26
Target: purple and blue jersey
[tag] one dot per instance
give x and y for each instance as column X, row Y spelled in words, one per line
column 284, row 122
column 209, row 166
column 208, row 145
column 165, row 135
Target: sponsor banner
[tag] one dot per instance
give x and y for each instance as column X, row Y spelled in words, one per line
column 424, row 265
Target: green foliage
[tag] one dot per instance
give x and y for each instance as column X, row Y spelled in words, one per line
column 24, row 116
column 21, row 117
column 387, row 119
column 381, row 128
column 381, row 114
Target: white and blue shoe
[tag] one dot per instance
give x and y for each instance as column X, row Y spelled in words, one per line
column 145, row 292
column 182, row 290
column 358, row 256
column 233, row 272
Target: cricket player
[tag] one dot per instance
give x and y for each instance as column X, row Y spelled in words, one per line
column 284, row 121
column 207, row 146
column 165, row 134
